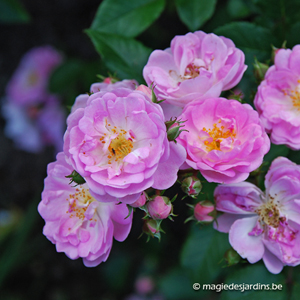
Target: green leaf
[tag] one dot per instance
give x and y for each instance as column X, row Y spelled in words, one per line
column 127, row 18
column 194, row 13
column 176, row 285
column 275, row 151
column 74, row 77
column 293, row 35
column 203, row 252
column 238, row 9
column 126, row 57
column 255, row 274
column 12, row 11
column 10, row 255
column 249, row 37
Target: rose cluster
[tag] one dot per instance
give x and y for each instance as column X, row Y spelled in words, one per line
column 125, row 144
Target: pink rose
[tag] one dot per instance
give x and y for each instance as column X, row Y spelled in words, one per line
column 117, row 141
column 264, row 225
column 76, row 223
column 278, row 99
column 225, row 139
column 198, row 65
column 29, row 83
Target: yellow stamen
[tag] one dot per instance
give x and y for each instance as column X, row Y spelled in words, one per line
column 217, row 134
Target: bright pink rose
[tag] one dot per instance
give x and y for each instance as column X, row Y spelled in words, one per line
column 198, row 65
column 278, row 99
column 225, row 139
column 109, row 85
column 79, row 225
column 118, row 143
column 32, row 127
column 264, row 225
column 29, row 82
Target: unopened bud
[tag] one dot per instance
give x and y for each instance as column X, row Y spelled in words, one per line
column 140, row 201
column 237, row 94
column 191, row 186
column 75, row 177
column 260, row 70
column 145, row 90
column 231, row 257
column 204, row 211
column 152, row 228
column 160, row 207
column 275, row 50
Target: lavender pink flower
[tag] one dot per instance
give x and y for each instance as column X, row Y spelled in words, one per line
column 264, row 225
column 278, row 99
column 117, row 141
column 32, row 127
column 198, row 65
column 28, row 84
column 76, row 223
column 224, row 139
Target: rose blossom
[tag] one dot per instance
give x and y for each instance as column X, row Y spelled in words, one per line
column 196, row 65
column 32, row 127
column 29, row 82
column 264, row 225
column 278, row 99
column 117, row 141
column 79, row 225
column 225, row 139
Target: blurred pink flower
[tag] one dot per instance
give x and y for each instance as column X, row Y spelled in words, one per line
column 28, row 85
column 278, row 99
column 32, row 127
column 75, row 222
column 117, row 141
column 264, row 225
column 225, row 139
column 198, row 65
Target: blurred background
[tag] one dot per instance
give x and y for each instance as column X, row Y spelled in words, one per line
column 30, row 267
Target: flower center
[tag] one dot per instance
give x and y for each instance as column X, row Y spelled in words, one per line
column 79, row 203
column 294, row 95
column 119, row 148
column 191, row 71
column 32, row 79
column 269, row 213
column 216, row 135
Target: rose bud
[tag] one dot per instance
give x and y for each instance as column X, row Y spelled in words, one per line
column 140, row 201
column 231, row 257
column 145, row 90
column 204, row 211
column 191, row 186
column 159, row 207
column 152, row 228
